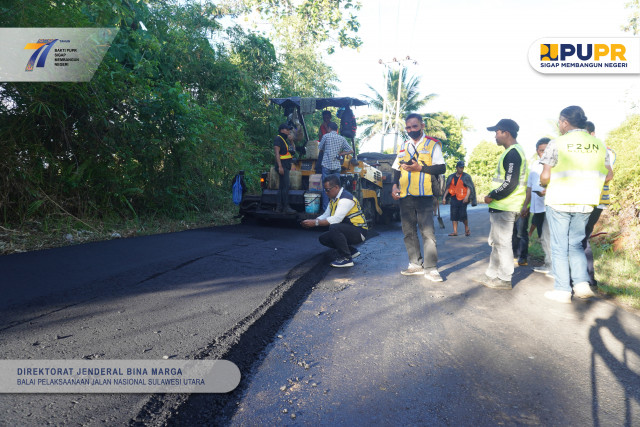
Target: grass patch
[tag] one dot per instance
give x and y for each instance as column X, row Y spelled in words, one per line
column 617, row 274
column 535, row 248
column 63, row 230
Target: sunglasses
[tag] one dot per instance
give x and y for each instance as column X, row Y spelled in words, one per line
column 326, row 190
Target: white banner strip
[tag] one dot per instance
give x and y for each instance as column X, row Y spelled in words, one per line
column 585, row 55
column 118, row 376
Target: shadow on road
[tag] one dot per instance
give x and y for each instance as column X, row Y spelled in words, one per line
column 619, row 352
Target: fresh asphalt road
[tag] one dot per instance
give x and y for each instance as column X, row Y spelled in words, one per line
column 364, row 346
column 180, row 295
column 372, row 347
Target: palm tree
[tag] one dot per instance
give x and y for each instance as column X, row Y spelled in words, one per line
column 410, row 101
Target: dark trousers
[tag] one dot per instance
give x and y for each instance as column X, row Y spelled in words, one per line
column 283, row 197
column 341, row 235
column 520, row 239
column 593, row 219
column 416, row 213
column 458, row 210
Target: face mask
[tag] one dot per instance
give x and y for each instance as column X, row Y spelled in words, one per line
column 415, row 134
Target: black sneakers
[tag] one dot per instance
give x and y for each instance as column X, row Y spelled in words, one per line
column 342, row 262
column 354, row 252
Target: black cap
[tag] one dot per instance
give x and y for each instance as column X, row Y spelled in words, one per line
column 460, row 164
column 284, row 126
column 506, row 125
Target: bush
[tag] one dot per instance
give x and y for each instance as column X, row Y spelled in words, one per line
column 482, row 167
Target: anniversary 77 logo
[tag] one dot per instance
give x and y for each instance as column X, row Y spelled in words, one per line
column 43, row 45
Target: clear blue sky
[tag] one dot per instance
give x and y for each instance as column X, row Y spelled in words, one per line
column 474, row 56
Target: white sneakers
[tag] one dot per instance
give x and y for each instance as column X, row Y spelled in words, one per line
column 558, row 296
column 583, row 290
column 580, row 290
column 433, row 275
column 542, row 269
column 416, row 270
column 412, row 270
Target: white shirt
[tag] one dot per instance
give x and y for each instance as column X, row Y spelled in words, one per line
column 537, row 202
column 343, row 208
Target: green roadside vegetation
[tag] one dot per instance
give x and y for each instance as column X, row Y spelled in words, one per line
column 617, row 251
column 179, row 104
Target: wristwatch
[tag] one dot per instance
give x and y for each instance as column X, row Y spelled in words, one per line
column 317, row 222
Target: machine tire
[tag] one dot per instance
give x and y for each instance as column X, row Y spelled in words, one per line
column 387, row 217
column 370, row 213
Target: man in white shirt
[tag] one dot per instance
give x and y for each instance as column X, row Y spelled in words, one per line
column 346, row 221
column 535, row 196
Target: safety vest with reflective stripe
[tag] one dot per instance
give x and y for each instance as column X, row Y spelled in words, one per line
column 579, row 175
column 417, row 183
column 287, row 155
column 513, row 202
column 605, row 196
column 355, row 215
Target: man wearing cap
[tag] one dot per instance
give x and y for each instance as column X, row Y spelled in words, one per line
column 283, row 148
column 460, row 191
column 505, row 202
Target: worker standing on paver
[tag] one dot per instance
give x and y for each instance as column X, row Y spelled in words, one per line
column 332, row 146
column 283, row 148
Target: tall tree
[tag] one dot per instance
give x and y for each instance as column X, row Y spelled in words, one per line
column 451, row 128
column 411, row 101
column 318, row 22
column 482, row 166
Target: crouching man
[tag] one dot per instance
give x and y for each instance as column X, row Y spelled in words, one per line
column 346, row 221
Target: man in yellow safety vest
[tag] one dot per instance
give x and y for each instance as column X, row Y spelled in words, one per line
column 574, row 171
column 417, row 160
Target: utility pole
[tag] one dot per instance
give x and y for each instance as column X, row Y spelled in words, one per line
column 395, row 110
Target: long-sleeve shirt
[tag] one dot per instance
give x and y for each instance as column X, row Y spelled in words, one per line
column 512, row 163
column 343, row 208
